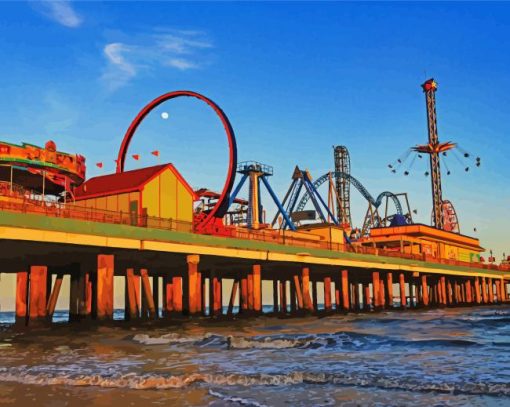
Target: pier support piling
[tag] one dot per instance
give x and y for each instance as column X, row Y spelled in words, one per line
column 402, row 284
column 104, row 287
column 21, row 297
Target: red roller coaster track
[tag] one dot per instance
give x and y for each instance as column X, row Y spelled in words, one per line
column 222, row 205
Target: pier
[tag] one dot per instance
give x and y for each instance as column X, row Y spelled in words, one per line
column 184, row 253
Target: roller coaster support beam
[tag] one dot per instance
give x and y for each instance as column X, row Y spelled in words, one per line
column 309, row 186
column 278, row 204
column 237, row 189
column 289, row 191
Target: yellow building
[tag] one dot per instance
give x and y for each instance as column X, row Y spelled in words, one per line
column 158, row 191
column 425, row 240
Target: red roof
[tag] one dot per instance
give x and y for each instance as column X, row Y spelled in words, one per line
column 127, row 181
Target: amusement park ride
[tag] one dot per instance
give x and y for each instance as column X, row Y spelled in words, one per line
column 26, row 170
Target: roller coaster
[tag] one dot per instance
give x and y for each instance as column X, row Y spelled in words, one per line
column 358, row 185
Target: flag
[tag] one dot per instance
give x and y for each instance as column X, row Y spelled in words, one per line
column 136, row 156
column 99, row 165
column 155, row 153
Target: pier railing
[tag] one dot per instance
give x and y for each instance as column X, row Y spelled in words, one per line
column 73, row 211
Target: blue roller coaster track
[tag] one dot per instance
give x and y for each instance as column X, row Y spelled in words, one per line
column 358, row 185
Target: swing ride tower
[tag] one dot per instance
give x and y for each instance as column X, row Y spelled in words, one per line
column 433, row 149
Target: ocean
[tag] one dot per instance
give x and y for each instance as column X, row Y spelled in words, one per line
column 440, row 357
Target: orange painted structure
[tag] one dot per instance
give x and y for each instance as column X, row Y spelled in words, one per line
column 427, row 241
column 27, row 164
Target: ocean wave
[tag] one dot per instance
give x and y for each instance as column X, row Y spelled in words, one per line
column 339, row 340
column 237, row 400
column 174, row 338
column 144, row 382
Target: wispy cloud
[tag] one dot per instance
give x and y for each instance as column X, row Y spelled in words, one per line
column 60, row 11
column 173, row 49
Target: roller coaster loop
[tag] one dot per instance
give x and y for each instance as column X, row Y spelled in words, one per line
column 222, row 205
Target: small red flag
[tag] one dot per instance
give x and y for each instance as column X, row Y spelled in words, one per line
column 99, row 165
column 136, row 156
column 155, row 152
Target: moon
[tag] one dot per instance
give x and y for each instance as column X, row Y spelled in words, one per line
column 164, row 115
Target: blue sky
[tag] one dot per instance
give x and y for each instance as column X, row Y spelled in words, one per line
column 294, row 79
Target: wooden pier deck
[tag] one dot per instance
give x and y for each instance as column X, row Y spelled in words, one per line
column 35, row 247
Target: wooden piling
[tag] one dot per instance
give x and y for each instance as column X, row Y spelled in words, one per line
column 357, row 301
column 216, row 297
column 292, row 293
column 389, row 293
column 77, row 295
column 275, row 295
column 382, row 293
column 402, row 284
column 250, row 292
column 257, row 288
column 52, row 301
column 307, row 299
column 199, row 293
column 104, row 291
column 443, row 290
column 299, row 293
column 469, row 297
column 147, row 293
column 498, row 291
column 327, row 293
column 478, row 296
column 283, row 297
column 484, row 291
column 168, row 293
column 194, row 300
column 366, row 296
column 376, row 289
column 155, row 293
column 233, row 294
column 21, row 297
column 345, row 290
column 424, row 291
column 491, row 290
column 244, row 293
column 177, row 294
column 315, row 299
column 37, row 295
column 132, row 303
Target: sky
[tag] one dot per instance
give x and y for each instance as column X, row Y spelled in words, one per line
column 294, row 80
